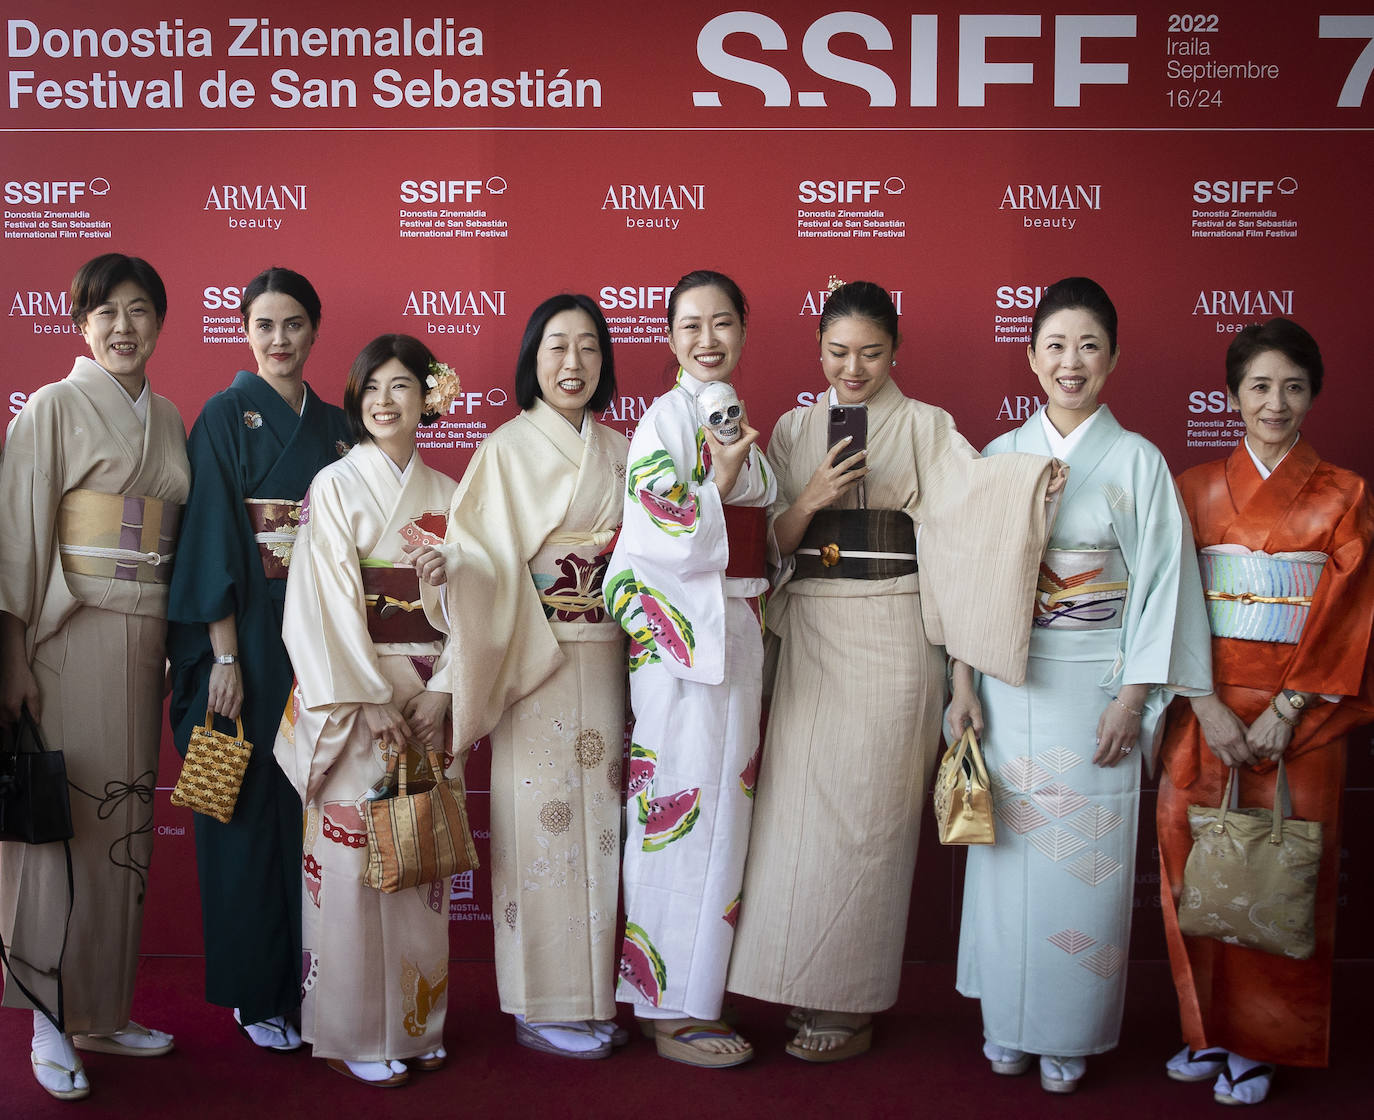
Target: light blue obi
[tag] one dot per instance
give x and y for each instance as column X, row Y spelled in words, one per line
column 1257, row 597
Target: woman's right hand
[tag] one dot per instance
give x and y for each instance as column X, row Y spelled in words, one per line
column 428, row 562
column 226, row 690
column 965, row 709
column 832, row 480
column 388, row 725
column 1223, row 731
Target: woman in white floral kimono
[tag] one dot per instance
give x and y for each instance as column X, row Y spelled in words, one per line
column 1119, row 625
column 540, row 666
column 686, row 582
column 370, row 681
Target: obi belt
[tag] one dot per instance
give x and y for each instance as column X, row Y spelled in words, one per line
column 275, row 522
column 117, row 536
column 857, row 544
column 746, row 534
column 1258, row 597
column 568, row 572
column 395, row 614
column 1081, row 589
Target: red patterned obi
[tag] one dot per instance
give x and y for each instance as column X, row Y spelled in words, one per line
column 117, row 536
column 394, row 611
column 746, row 532
column 275, row 522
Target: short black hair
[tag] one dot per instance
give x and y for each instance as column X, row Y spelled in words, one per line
column 410, row 352
column 1283, row 335
column 526, row 376
column 99, row 276
column 1076, row 292
column 286, row 282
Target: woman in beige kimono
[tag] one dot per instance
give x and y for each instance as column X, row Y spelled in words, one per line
column 370, row 681
column 855, row 719
column 91, row 491
column 540, row 665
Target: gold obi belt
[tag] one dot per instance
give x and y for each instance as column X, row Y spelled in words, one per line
column 1257, row 597
column 857, row 544
column 568, row 572
column 1081, row 589
column 115, row 536
column 394, row 611
column 275, row 521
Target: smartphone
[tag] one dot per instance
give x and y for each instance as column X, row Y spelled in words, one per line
column 848, row 420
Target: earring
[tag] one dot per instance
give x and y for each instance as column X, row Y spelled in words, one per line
column 894, row 363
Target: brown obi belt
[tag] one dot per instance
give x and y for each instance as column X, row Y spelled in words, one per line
column 746, row 532
column 857, row 544
column 116, row 536
column 275, row 521
column 394, row 611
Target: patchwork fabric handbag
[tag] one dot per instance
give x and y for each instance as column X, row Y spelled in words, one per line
column 1251, row 878
column 212, row 773
column 963, row 795
column 419, row 833
column 35, row 804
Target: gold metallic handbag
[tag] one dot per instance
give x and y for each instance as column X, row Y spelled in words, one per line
column 963, row 795
column 1251, row 878
column 213, row 770
column 421, row 833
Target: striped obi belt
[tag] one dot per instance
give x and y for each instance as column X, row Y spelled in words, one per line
column 395, row 614
column 275, row 522
column 568, row 572
column 1258, row 597
column 116, row 536
column 1081, row 589
column 857, row 544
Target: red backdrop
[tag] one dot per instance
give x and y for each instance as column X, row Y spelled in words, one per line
column 440, row 174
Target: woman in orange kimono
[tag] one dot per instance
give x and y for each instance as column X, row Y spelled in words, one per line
column 1291, row 680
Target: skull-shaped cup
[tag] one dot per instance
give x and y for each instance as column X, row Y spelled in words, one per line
column 719, row 410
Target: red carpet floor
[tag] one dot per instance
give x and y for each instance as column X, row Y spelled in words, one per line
column 925, row 1062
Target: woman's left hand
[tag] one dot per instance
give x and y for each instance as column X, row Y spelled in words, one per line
column 1269, row 736
column 426, row 713
column 1118, row 729
column 428, row 562
column 1059, row 475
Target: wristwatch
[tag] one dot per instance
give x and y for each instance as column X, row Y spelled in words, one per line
column 226, row 659
column 1296, row 700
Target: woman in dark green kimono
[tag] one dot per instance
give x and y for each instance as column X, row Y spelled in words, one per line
column 253, row 453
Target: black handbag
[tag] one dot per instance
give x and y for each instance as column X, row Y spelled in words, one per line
column 36, row 808
column 35, row 805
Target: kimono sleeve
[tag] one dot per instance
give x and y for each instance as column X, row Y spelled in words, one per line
column 32, row 482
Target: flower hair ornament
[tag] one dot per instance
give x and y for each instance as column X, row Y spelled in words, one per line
column 835, row 285
column 441, row 388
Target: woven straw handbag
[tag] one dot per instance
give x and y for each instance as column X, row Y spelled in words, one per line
column 421, row 833
column 963, row 795
column 1251, row 878
column 213, row 770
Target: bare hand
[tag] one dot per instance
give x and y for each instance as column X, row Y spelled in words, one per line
column 1268, row 736
column 831, row 481
column 965, row 709
column 427, row 712
column 226, row 690
column 1059, row 476
column 1223, row 731
column 727, row 459
column 429, row 563
column 387, row 725
column 1118, row 731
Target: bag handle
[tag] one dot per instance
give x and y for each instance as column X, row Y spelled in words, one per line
column 1280, row 793
column 210, row 714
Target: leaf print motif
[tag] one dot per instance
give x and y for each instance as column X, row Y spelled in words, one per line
column 1106, row 962
column 1057, row 843
column 1118, row 498
column 1022, row 774
column 1094, row 867
column 1059, row 800
column 1072, row 941
column 1061, row 760
column 1020, row 815
column 1096, row 821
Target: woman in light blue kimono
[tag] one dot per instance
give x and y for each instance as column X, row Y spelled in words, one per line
column 1119, row 626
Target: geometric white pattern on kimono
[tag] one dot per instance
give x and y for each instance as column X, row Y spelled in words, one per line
column 1094, row 868
column 1023, row 774
column 1118, row 498
column 1057, row 844
column 1020, row 815
column 1059, row 799
column 1096, row 821
column 1061, row 759
column 1105, row 962
column 1072, row 941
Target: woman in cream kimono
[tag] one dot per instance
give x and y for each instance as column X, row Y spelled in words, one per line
column 370, row 681
column 91, row 492
column 540, row 665
column 686, row 582
column 854, row 723
column 1119, row 624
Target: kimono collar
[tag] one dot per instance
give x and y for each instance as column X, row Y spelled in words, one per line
column 1265, row 472
column 115, row 406
column 551, row 424
column 279, row 416
column 1061, row 447
column 1085, row 455
column 1281, row 489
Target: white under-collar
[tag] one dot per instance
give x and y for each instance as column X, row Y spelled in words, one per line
column 140, row 406
column 1265, row 472
column 1062, row 446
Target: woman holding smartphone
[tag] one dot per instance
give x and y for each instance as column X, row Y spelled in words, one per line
column 854, row 723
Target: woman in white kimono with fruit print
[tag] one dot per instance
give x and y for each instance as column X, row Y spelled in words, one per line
column 686, row 583
column 370, row 673
column 1119, row 625
column 540, row 665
